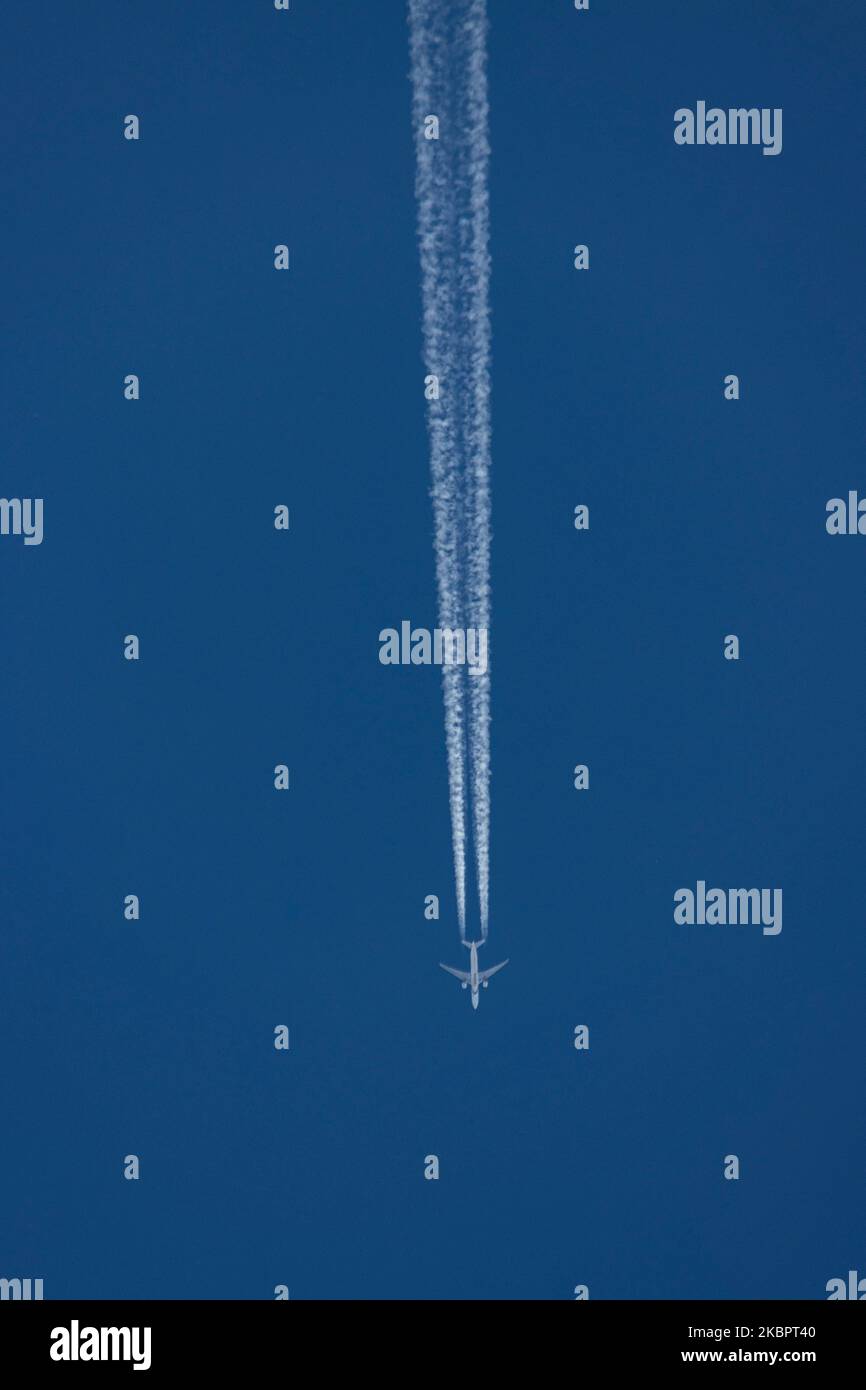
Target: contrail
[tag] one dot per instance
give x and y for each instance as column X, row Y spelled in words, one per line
column 449, row 81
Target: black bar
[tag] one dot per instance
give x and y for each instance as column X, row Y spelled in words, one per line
column 225, row 1337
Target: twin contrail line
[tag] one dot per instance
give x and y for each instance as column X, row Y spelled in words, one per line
column 448, row 44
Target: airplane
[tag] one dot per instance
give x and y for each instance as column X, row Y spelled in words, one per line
column 473, row 977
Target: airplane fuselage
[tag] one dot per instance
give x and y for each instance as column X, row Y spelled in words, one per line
column 473, row 973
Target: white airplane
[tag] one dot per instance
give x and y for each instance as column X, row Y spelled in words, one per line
column 473, row 977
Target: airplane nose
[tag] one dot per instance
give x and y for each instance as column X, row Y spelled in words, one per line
column 475, row 1001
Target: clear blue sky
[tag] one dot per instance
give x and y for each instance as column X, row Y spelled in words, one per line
column 155, row 778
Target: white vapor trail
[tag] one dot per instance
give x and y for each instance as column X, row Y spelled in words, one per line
column 449, row 80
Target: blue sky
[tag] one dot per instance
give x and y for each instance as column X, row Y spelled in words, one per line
column 257, row 647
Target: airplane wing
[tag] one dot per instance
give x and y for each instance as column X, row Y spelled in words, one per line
column 485, row 974
column 459, row 974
